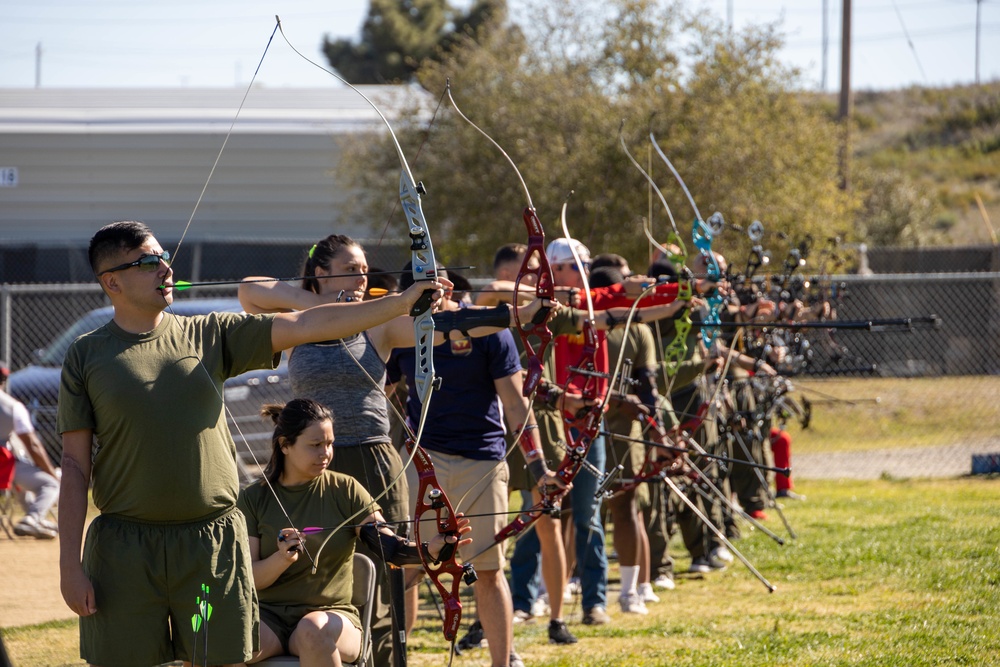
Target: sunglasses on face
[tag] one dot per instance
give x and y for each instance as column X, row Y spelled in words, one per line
column 145, row 263
column 572, row 267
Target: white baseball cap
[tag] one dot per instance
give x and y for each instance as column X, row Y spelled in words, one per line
column 559, row 251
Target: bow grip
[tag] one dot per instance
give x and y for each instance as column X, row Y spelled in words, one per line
column 423, row 304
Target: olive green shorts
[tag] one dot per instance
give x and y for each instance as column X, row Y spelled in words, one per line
column 377, row 467
column 283, row 619
column 151, row 579
column 553, row 437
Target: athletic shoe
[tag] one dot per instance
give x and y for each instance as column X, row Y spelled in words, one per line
column 632, row 604
column 29, row 527
column 522, row 616
column 789, row 495
column 646, row 593
column 515, row 660
column 596, row 616
column 665, row 581
column 705, row 564
column 540, row 607
column 722, row 554
column 560, row 634
column 473, row 638
column 758, row 514
column 573, row 587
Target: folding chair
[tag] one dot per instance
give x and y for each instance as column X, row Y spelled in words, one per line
column 7, row 495
column 362, row 598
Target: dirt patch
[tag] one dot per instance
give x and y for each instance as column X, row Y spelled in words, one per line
column 30, row 593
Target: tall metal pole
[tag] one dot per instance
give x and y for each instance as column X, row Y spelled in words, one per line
column 979, row 11
column 844, row 115
column 826, row 44
column 729, row 14
column 38, row 65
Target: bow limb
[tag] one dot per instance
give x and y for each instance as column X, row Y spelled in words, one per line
column 676, row 351
column 535, row 335
column 585, row 425
column 544, row 282
column 424, row 265
column 702, row 234
column 675, row 236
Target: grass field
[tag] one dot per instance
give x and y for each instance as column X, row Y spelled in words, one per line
column 882, row 573
column 910, row 412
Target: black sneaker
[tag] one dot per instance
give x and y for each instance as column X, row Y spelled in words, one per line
column 515, row 660
column 596, row 616
column 560, row 634
column 473, row 637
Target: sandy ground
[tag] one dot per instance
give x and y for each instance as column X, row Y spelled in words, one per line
column 29, row 582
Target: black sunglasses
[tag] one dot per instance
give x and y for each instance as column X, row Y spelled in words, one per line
column 145, row 263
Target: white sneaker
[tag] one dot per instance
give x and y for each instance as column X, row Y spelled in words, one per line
column 540, row 607
column 723, row 554
column 521, row 616
column 664, row 582
column 29, row 526
column 632, row 604
column 647, row 594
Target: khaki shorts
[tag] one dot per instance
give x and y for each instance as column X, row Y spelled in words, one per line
column 148, row 580
column 476, row 488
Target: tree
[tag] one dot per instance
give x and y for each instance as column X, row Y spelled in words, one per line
column 554, row 92
column 400, row 35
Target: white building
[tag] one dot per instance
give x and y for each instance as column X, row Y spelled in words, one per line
column 72, row 160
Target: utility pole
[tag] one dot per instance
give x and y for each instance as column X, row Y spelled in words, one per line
column 729, row 15
column 844, row 114
column 979, row 13
column 826, row 45
column 38, row 65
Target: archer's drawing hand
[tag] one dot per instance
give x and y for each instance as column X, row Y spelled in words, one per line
column 289, row 544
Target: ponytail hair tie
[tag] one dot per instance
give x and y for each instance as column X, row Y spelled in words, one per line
column 312, row 250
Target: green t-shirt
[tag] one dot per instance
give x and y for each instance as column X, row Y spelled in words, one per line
column 326, row 502
column 640, row 348
column 154, row 401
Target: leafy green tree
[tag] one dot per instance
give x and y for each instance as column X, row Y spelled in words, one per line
column 554, row 92
column 400, row 35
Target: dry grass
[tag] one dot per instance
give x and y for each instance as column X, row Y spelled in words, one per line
column 910, row 412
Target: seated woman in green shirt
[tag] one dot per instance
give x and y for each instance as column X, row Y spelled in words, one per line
column 305, row 602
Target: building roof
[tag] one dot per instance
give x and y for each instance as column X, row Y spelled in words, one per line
column 334, row 110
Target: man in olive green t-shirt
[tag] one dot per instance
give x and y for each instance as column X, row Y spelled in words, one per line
column 147, row 390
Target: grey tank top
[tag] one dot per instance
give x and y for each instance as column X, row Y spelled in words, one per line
column 326, row 373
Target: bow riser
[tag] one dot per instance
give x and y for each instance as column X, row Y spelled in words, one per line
column 537, row 328
column 432, row 498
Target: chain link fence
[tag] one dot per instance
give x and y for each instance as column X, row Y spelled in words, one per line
column 925, row 393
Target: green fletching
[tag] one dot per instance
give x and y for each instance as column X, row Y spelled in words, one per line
column 208, row 614
column 180, row 286
column 196, row 622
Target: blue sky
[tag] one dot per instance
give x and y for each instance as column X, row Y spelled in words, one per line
column 153, row 43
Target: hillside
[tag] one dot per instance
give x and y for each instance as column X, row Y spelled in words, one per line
column 946, row 143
